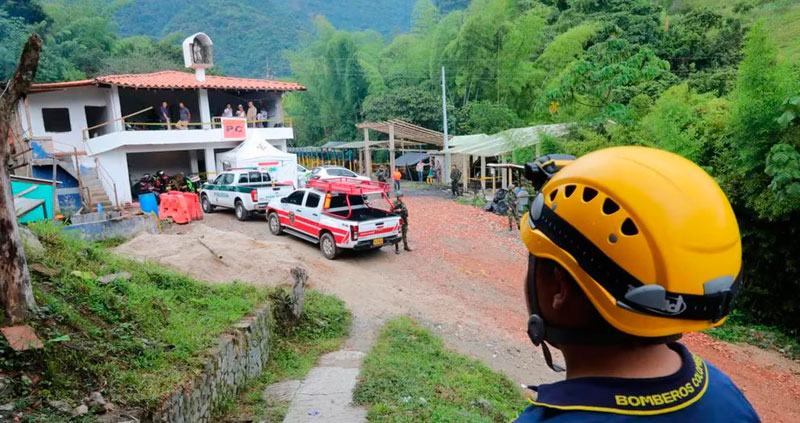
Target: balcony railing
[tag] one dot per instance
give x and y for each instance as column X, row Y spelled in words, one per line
column 128, row 125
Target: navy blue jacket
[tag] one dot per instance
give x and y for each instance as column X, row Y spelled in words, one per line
column 698, row 392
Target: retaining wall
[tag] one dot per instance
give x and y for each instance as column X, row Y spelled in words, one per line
column 98, row 226
column 239, row 357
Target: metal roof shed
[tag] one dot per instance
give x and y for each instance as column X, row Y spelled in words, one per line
column 500, row 144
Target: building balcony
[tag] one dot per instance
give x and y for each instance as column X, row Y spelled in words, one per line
column 175, row 139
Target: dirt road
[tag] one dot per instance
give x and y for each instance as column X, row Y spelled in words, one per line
column 463, row 279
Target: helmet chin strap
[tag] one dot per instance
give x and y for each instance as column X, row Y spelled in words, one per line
column 537, row 334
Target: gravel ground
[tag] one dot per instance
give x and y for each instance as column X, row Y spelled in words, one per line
column 464, row 280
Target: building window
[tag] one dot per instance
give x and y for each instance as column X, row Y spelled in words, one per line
column 56, row 120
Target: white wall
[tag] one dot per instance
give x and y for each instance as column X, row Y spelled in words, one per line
column 73, row 99
column 115, row 167
column 179, row 140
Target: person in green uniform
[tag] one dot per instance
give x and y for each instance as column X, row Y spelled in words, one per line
column 511, row 201
column 455, row 181
column 399, row 208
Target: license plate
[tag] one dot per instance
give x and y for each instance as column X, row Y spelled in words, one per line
column 377, row 242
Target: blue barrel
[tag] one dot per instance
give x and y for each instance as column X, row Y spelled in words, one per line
column 148, row 203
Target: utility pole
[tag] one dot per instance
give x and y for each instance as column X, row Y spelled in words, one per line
column 446, row 172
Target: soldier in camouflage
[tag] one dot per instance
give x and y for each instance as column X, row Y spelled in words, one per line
column 511, row 201
column 399, row 208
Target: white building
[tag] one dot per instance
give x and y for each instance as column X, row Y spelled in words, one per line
column 113, row 124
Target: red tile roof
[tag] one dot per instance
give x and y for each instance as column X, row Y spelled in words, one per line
column 176, row 80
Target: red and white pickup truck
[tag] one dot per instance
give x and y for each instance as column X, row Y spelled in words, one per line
column 336, row 213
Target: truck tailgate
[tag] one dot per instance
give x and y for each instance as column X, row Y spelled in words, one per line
column 265, row 194
column 379, row 228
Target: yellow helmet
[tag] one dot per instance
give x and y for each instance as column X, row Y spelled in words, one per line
column 648, row 235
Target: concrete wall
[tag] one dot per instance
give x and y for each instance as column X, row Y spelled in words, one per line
column 74, row 99
column 238, row 358
column 113, row 228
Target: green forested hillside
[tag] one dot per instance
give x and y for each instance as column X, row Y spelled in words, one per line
column 250, row 35
column 781, row 16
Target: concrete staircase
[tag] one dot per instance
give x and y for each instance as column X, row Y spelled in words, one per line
column 91, row 183
column 96, row 191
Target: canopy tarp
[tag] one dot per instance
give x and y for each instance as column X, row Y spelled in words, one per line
column 410, row 159
column 482, row 145
column 259, row 153
column 331, row 144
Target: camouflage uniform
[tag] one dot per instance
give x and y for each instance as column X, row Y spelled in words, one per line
column 455, row 181
column 399, row 208
column 511, row 202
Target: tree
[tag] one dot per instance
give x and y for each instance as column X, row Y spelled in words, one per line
column 421, row 105
column 331, row 69
column 611, row 74
column 761, row 87
column 485, row 117
column 16, row 295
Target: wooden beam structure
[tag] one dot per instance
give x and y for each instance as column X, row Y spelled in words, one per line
column 406, row 131
column 367, row 157
column 401, row 130
column 391, row 147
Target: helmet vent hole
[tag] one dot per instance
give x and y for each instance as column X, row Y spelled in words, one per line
column 569, row 190
column 609, row 206
column 553, row 195
column 629, row 228
column 589, row 194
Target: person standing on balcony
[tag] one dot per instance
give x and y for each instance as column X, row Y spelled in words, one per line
column 262, row 117
column 251, row 114
column 228, row 112
column 240, row 112
column 163, row 114
column 185, row 117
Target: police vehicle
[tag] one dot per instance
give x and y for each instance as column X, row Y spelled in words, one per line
column 246, row 190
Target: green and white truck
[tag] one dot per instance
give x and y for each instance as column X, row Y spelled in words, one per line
column 247, row 191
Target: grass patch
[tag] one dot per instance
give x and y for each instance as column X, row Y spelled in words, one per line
column 322, row 328
column 476, row 200
column 737, row 329
column 133, row 340
column 410, row 377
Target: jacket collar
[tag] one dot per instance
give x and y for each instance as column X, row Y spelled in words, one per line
column 630, row 396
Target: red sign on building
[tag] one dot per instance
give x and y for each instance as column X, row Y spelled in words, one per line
column 234, row 128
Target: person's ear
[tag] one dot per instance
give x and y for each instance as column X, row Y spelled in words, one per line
column 563, row 288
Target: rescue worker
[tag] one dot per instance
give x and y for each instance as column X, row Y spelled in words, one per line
column 396, row 178
column 512, row 203
column 629, row 248
column 399, row 208
column 455, row 181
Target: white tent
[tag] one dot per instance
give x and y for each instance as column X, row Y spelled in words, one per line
column 259, row 153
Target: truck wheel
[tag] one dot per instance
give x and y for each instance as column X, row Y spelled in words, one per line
column 275, row 224
column 241, row 213
column 327, row 244
column 206, row 203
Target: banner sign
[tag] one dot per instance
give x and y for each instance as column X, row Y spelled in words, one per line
column 234, row 128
